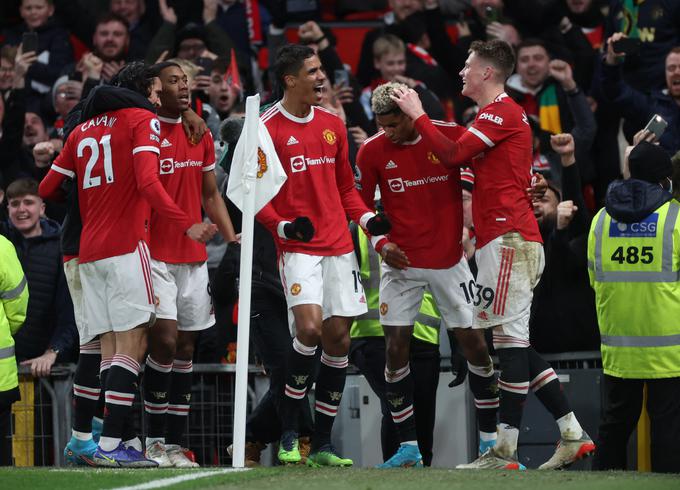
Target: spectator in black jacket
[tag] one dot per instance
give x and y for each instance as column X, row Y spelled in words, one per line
column 49, row 333
column 563, row 311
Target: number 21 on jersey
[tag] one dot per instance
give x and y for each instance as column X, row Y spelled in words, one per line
column 94, row 162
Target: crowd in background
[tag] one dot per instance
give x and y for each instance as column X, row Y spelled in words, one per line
column 564, row 81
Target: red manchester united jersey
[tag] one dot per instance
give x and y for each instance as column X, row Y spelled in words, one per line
column 420, row 196
column 499, row 142
column 320, row 185
column 181, row 172
column 100, row 153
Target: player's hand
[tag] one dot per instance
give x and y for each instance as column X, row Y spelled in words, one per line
column 194, row 126
column 201, row 232
column 43, row 153
column 459, row 367
column 566, row 210
column 41, row 366
column 394, row 256
column 409, row 102
column 378, row 225
column 538, row 188
column 300, row 229
column 468, row 244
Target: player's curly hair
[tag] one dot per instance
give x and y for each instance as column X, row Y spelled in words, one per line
column 381, row 102
column 136, row 76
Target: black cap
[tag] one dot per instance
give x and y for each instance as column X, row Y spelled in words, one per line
column 650, row 163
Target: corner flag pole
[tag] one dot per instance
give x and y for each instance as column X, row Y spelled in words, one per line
column 250, row 133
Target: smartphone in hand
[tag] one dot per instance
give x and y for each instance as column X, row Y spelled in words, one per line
column 29, row 42
column 656, row 125
column 627, row 45
column 341, row 78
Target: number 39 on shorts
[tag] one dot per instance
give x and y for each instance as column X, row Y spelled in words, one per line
column 477, row 294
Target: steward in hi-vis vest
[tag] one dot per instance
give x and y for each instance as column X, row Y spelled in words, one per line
column 634, row 268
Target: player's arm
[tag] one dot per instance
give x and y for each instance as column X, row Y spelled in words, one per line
column 62, row 168
column 148, row 185
column 301, row 228
column 352, row 202
column 451, row 153
column 214, row 206
column 368, row 181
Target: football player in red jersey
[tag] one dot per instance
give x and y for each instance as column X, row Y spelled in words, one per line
column 308, row 220
column 114, row 157
column 179, row 272
column 416, row 191
column 509, row 248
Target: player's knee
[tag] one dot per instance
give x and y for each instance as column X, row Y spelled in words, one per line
column 185, row 349
column 308, row 332
column 163, row 347
column 474, row 347
column 397, row 352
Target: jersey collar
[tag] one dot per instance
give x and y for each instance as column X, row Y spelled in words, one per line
column 170, row 120
column 293, row 118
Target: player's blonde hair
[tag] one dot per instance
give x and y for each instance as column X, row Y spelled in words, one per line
column 381, row 102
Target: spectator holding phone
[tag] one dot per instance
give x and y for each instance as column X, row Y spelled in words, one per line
column 635, row 106
column 41, row 33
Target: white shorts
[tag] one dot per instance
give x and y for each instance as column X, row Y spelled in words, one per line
column 75, row 288
column 332, row 282
column 182, row 294
column 117, row 292
column 401, row 293
column 509, row 270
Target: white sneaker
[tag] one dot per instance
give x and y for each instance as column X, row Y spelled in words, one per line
column 177, row 457
column 157, row 452
column 492, row 461
column 568, row 452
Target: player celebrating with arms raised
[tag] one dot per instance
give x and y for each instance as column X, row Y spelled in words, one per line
column 509, row 247
column 318, row 268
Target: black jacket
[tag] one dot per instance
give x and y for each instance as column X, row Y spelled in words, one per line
column 50, row 320
column 563, row 316
column 632, row 200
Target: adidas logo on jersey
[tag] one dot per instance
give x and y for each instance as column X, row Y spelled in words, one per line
column 390, row 165
column 292, row 141
column 165, row 143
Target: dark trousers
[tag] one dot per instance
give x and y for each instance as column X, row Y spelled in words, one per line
column 271, row 340
column 368, row 355
column 620, row 414
column 6, row 435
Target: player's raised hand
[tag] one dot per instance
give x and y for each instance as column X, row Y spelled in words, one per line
column 378, row 225
column 300, row 229
column 408, row 101
column 202, row 232
column 394, row 256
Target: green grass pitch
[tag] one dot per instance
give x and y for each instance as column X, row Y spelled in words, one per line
column 300, row 478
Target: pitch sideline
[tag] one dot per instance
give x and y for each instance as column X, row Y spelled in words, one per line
column 164, row 482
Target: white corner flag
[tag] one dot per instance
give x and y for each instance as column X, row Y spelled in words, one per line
column 255, row 153
column 256, row 176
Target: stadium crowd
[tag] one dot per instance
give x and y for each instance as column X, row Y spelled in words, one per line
column 489, row 91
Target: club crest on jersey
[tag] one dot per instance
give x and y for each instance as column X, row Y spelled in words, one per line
column 295, row 289
column 155, row 126
column 261, row 163
column 383, row 309
column 297, row 163
column 433, row 158
column 329, row 136
column 396, row 185
column 167, row 166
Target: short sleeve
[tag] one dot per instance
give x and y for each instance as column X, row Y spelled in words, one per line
column 208, row 152
column 146, row 132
